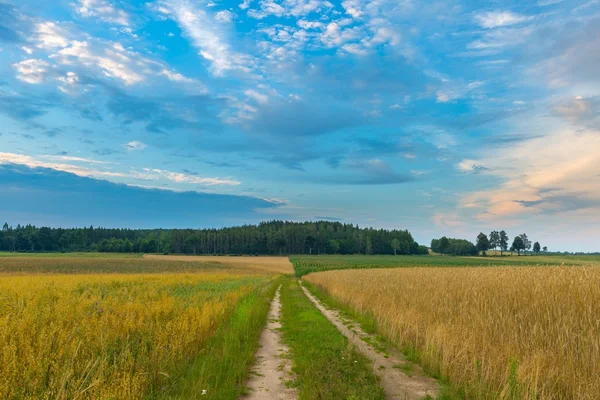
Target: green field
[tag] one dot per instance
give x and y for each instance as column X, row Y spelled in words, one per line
column 304, row 264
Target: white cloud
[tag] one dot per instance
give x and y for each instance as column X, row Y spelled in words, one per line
column 32, row 71
column 245, row 4
column 224, row 16
column 205, row 34
column 295, row 8
column 27, row 50
column 258, row 97
column 68, row 82
column 114, row 63
column 495, row 19
column 135, row 145
column 187, row 178
column 103, row 10
column 50, row 36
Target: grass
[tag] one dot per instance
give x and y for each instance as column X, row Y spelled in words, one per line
column 493, row 332
column 325, row 364
column 132, row 336
column 305, row 264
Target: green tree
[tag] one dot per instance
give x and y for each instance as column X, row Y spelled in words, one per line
column 334, row 246
column 526, row 242
column 536, row 248
column 518, row 244
column 444, row 245
column 483, row 243
column 503, row 244
column 369, row 246
column 494, row 240
column 395, row 245
column 310, row 242
column 545, row 249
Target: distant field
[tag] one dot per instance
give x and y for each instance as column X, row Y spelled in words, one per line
column 304, row 264
column 279, row 265
column 495, row 332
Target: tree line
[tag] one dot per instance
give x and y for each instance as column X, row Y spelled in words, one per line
column 496, row 240
column 266, row 238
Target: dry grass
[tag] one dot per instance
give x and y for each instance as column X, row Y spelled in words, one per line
column 108, row 336
column 498, row 332
column 278, row 265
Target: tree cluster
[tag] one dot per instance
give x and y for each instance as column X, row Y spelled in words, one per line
column 273, row 237
column 500, row 240
column 455, row 247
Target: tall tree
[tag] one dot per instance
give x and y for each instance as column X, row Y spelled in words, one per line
column 526, row 242
column 483, row 243
column 494, row 240
column 545, row 249
column 503, row 242
column 310, row 242
column 536, row 248
column 444, row 243
column 395, row 245
column 518, row 244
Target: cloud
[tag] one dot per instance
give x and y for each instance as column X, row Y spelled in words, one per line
column 10, row 19
column 32, row 71
column 135, row 145
column 495, row 19
column 204, row 32
column 538, row 176
column 103, row 10
column 471, row 166
column 579, row 110
column 45, row 197
column 105, row 171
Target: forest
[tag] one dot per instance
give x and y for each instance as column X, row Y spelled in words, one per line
column 273, row 237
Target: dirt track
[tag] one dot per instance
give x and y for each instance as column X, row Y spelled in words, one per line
column 395, row 383
column 271, row 369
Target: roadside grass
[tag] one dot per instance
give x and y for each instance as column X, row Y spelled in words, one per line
column 325, row 364
column 306, row 264
column 368, row 323
column 221, row 370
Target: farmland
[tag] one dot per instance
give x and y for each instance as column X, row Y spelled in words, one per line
column 492, row 332
column 305, row 264
column 73, row 328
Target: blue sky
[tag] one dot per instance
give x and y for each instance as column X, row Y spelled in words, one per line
column 444, row 117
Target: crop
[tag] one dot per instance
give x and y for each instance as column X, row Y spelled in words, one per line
column 126, row 336
column 495, row 332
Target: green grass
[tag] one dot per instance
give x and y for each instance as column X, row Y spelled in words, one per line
column 304, row 264
column 325, row 364
column 224, row 365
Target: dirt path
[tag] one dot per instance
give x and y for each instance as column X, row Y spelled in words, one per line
column 395, row 383
column 271, row 370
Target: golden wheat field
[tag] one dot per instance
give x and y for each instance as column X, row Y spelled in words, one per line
column 499, row 332
column 278, row 265
column 101, row 336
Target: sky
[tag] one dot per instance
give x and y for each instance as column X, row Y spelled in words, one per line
column 441, row 117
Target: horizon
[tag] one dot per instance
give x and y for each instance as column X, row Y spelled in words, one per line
column 445, row 119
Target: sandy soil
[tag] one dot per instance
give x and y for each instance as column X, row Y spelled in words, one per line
column 279, row 265
column 271, row 370
column 395, row 383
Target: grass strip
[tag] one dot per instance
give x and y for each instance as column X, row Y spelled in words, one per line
column 222, row 369
column 325, row 364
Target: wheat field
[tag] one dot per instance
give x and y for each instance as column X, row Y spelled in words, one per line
column 268, row 264
column 496, row 332
column 108, row 335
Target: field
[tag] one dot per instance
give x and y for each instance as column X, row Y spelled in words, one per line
column 156, row 329
column 278, row 265
column 493, row 332
column 307, row 264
